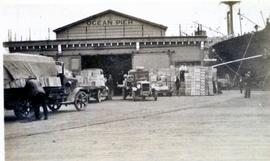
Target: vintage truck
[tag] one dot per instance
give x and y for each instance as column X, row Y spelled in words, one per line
column 60, row 89
column 137, row 84
column 93, row 81
column 164, row 82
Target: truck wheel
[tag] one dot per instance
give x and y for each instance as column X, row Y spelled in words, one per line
column 98, row 96
column 54, row 107
column 23, row 109
column 133, row 96
column 81, row 99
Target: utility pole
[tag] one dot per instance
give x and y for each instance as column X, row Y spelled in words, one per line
column 180, row 32
column 263, row 18
column 9, row 35
column 48, row 33
column 29, row 34
column 240, row 20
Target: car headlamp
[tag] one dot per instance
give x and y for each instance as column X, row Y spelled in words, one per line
column 138, row 86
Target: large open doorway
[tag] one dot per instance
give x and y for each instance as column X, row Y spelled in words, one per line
column 116, row 65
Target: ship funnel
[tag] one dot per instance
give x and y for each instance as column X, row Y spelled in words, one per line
column 230, row 16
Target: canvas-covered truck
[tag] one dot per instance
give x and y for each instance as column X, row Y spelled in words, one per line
column 137, row 84
column 93, row 81
column 60, row 89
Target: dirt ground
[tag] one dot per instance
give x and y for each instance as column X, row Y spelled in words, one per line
column 224, row 127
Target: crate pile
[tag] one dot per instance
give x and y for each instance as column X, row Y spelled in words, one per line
column 198, row 81
column 91, row 78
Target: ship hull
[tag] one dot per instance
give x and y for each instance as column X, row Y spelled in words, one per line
column 257, row 43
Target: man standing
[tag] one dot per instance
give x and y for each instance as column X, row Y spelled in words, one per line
column 247, row 84
column 177, row 85
column 110, row 85
column 37, row 96
column 241, row 84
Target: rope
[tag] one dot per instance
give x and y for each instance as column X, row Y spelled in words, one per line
column 244, row 55
column 265, row 78
column 228, row 66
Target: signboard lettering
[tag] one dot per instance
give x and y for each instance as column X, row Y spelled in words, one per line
column 109, row 22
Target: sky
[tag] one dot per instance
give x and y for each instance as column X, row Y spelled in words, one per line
column 38, row 17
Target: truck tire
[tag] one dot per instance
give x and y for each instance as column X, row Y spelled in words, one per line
column 23, row 109
column 98, row 96
column 81, row 100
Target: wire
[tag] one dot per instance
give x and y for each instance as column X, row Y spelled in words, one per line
column 244, row 55
column 228, row 66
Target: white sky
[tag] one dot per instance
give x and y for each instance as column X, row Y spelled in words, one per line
column 37, row 15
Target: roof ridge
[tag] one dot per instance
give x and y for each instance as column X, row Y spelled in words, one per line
column 104, row 13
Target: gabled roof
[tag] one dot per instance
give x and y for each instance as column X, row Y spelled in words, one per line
column 104, row 13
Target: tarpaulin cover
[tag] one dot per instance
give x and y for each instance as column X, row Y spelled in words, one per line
column 22, row 66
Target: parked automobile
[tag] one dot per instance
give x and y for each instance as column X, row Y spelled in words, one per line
column 163, row 88
column 137, row 85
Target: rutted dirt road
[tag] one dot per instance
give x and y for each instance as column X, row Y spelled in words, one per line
column 214, row 128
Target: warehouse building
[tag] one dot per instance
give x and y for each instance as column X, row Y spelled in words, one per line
column 116, row 42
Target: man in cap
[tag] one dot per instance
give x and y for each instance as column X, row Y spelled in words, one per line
column 247, row 84
column 110, row 85
column 37, row 96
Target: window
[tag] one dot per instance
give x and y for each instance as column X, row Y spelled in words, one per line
column 148, row 43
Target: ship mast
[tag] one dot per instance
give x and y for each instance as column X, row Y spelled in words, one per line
column 230, row 16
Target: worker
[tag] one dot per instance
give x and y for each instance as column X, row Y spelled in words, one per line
column 110, row 85
column 247, row 84
column 177, row 85
column 37, row 97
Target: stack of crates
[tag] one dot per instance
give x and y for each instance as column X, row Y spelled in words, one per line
column 188, row 79
column 198, row 81
column 209, row 82
column 204, row 82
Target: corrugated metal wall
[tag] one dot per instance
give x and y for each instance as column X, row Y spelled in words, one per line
column 187, row 54
column 110, row 26
column 72, row 63
column 151, row 61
